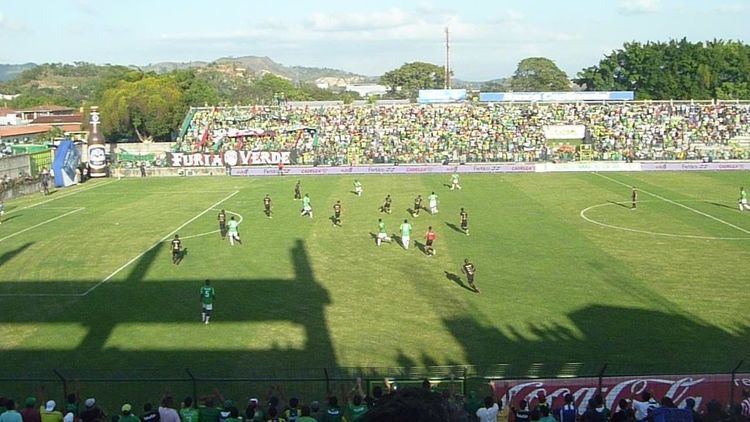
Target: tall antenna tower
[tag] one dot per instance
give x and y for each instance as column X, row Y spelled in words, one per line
column 447, row 59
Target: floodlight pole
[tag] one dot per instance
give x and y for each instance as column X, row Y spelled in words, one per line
column 447, row 83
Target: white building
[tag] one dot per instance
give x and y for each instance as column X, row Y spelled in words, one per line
column 368, row 90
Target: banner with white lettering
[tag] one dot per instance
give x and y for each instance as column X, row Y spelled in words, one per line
column 230, row 157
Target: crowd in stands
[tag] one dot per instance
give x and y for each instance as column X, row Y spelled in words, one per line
column 350, row 135
column 383, row 404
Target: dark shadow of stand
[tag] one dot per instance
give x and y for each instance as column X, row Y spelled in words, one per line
column 454, row 227
column 456, row 279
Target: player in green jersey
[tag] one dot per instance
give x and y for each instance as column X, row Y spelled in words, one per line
column 358, row 188
column 743, row 200
column 233, row 231
column 306, row 207
column 433, row 200
column 405, row 233
column 382, row 233
column 207, row 301
column 454, row 182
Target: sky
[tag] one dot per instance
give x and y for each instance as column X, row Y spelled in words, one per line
column 489, row 38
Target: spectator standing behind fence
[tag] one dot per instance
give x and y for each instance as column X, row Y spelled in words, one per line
column 127, row 414
column 745, row 405
column 149, row 414
column 92, row 412
column 10, row 414
column 488, row 413
column 625, row 413
column 167, row 413
column 49, row 413
column 569, row 411
column 30, row 413
column 644, row 406
column 188, row 413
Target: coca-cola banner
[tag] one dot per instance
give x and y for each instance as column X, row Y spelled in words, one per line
column 702, row 388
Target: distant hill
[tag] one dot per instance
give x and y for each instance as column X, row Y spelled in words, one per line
column 11, row 71
column 252, row 66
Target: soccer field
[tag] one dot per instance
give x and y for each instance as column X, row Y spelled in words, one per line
column 567, row 272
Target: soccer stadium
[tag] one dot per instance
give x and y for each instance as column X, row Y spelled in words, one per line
column 213, row 243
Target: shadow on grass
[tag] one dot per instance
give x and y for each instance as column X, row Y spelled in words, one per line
column 454, row 227
column 11, row 217
column 7, row 256
column 298, row 303
column 718, row 204
column 456, row 279
column 619, row 204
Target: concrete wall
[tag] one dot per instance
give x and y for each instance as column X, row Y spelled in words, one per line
column 12, row 166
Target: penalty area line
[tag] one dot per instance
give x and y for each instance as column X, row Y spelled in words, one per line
column 677, row 203
column 64, row 195
column 41, row 224
column 167, row 236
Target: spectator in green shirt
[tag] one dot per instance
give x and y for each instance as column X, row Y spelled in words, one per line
column 127, row 414
column 188, row 413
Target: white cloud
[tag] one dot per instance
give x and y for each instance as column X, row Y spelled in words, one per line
column 391, row 18
column 9, row 25
column 638, row 7
column 730, row 8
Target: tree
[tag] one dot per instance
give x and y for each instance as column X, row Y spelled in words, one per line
column 677, row 69
column 536, row 74
column 407, row 80
column 150, row 108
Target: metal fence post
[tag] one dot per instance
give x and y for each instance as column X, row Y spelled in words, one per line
column 64, row 384
column 195, row 387
column 600, row 376
column 731, row 386
column 463, row 387
column 328, row 381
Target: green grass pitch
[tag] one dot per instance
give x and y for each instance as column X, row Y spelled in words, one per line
column 567, row 274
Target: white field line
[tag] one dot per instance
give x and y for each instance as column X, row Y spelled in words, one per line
column 41, row 224
column 627, row 229
column 55, row 198
column 167, row 236
column 678, row 204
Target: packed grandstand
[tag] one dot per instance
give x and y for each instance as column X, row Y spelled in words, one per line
column 503, row 132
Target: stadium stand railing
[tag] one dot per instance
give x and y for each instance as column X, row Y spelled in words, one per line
column 116, row 386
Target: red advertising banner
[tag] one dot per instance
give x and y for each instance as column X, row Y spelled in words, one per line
column 701, row 388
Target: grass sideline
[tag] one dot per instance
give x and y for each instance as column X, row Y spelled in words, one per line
column 300, row 293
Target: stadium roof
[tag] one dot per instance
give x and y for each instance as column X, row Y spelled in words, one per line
column 8, row 131
column 59, row 118
column 46, row 108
